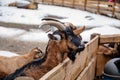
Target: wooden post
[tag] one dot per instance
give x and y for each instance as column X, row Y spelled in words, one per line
column 42, row 1
column 98, row 7
column 62, row 2
column 94, row 35
column 113, row 11
column 73, row 3
column 52, row 2
column 85, row 4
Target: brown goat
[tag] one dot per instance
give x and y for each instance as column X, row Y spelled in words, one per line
column 9, row 64
column 104, row 54
column 62, row 43
column 108, row 50
column 33, row 5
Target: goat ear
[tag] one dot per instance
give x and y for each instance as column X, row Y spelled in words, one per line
column 54, row 37
column 79, row 30
column 51, row 36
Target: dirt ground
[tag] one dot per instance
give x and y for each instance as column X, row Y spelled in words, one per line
column 20, row 47
column 17, row 46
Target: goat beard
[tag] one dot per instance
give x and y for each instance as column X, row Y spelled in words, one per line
column 72, row 55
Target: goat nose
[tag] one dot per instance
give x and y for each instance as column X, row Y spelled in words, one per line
column 81, row 48
column 83, row 42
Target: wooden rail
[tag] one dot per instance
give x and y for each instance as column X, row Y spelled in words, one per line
column 70, row 71
column 101, row 57
column 84, row 67
column 88, row 64
column 96, row 6
column 109, row 38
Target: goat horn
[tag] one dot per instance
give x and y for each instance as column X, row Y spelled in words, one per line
column 58, row 25
column 68, row 24
column 79, row 30
column 52, row 19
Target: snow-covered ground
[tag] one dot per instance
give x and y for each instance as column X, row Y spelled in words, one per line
column 97, row 23
column 104, row 30
column 77, row 17
column 23, row 35
column 8, row 53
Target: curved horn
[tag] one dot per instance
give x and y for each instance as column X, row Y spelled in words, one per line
column 58, row 25
column 79, row 30
column 52, row 19
column 68, row 24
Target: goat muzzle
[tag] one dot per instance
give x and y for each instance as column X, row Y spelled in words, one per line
column 80, row 48
column 73, row 53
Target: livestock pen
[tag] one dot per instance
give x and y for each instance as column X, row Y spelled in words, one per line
column 85, row 66
column 95, row 6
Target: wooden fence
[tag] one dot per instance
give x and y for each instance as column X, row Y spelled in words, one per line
column 84, row 67
column 85, row 61
column 88, row 64
column 95, row 6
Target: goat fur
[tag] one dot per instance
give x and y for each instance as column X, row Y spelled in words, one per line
column 32, row 6
column 104, row 54
column 56, row 51
column 9, row 64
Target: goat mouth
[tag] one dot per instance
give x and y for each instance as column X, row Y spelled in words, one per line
column 80, row 48
column 72, row 53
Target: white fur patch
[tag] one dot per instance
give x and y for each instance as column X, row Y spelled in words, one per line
column 58, row 37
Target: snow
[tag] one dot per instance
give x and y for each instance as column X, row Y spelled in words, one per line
column 10, row 32
column 104, row 30
column 77, row 17
column 23, row 35
column 5, row 2
column 94, row 23
column 8, row 53
column 34, row 37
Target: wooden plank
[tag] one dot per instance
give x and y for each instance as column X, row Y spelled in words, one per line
column 117, row 15
column 106, row 3
column 106, row 8
column 100, row 64
column 68, row 3
column 105, row 12
column 91, row 6
column 58, row 2
column 92, row 2
column 109, row 38
column 94, row 10
column 57, row 73
column 118, row 5
column 81, row 7
column 78, row 2
column 89, row 72
column 47, row 1
column 117, row 10
column 69, row 70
